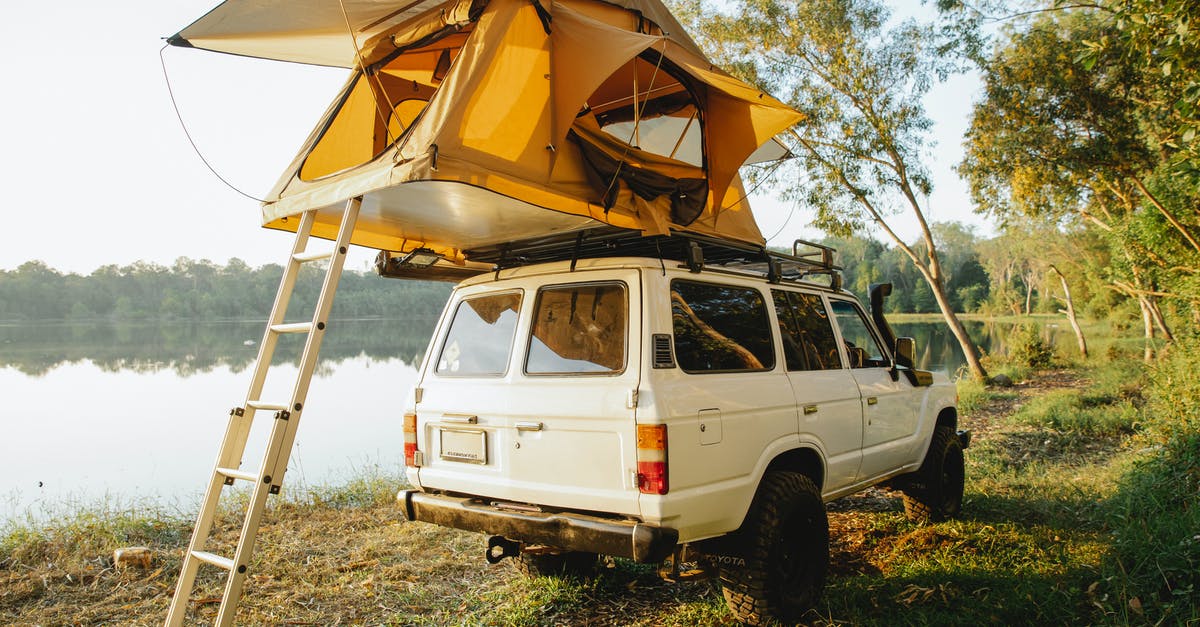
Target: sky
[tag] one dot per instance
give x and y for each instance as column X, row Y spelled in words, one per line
column 95, row 167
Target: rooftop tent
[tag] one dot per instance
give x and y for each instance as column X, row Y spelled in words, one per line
column 468, row 123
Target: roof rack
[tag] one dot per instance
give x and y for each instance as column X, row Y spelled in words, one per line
column 695, row 251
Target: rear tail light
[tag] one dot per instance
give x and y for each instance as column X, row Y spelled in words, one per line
column 410, row 439
column 652, row 459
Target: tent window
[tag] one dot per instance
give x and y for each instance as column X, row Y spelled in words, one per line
column 646, row 107
column 403, row 115
column 379, row 109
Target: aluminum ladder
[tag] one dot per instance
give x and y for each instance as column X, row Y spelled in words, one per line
column 268, row 477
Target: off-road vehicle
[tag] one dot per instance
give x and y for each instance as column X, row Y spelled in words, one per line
column 672, row 399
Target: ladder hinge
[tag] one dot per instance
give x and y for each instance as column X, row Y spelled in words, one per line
column 237, row 411
column 283, row 414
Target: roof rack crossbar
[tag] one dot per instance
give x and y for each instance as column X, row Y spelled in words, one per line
column 686, row 248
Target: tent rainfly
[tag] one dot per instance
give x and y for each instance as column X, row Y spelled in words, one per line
column 470, row 123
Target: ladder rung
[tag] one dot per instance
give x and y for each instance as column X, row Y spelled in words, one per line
column 239, row 474
column 214, row 559
column 293, row 327
column 265, row 405
column 312, row 256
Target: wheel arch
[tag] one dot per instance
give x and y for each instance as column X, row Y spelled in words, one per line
column 804, row 460
column 948, row 417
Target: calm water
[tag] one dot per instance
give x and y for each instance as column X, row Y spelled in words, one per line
column 127, row 413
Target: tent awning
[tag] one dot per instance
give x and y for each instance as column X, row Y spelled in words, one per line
column 318, row 32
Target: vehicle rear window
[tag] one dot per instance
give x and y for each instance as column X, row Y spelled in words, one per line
column 578, row 329
column 720, row 328
column 481, row 336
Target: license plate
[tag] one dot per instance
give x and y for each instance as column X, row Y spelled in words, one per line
column 463, row 445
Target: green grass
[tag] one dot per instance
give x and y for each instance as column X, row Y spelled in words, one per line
column 974, row 395
column 1152, row 571
column 1068, row 411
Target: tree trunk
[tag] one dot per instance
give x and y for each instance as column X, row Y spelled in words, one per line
column 1159, row 321
column 1028, row 295
column 1148, row 325
column 959, row 331
column 1070, row 311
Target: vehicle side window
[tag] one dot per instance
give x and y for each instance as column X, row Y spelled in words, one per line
column 481, row 336
column 862, row 348
column 578, row 329
column 807, row 334
column 720, row 328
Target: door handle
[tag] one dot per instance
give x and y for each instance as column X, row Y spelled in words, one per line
column 529, row 426
column 462, row 419
column 810, row 409
column 871, row 400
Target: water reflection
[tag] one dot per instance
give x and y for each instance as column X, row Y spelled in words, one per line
column 188, row 348
column 937, row 350
column 191, row 348
column 136, row 411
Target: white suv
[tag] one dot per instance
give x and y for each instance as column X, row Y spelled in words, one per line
column 671, row 399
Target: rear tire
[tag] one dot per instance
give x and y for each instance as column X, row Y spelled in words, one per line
column 574, row 564
column 785, row 547
column 936, row 492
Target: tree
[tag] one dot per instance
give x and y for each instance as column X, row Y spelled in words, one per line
column 860, row 82
column 1060, row 139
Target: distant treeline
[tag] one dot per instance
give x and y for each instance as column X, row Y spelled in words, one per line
column 1006, row 275
column 203, row 290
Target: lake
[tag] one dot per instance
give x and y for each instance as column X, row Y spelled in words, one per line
column 123, row 414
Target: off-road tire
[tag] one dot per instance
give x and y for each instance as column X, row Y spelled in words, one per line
column 572, row 564
column 936, row 491
column 784, row 543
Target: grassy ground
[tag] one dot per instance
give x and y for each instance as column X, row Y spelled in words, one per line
column 1036, row 545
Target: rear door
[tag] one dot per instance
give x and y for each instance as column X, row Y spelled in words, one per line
column 527, row 395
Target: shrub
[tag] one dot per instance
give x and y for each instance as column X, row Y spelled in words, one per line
column 1155, row 515
column 1027, row 347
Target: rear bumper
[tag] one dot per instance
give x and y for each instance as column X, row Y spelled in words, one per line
column 566, row 530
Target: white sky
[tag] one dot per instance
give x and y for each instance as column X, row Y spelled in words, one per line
column 95, row 169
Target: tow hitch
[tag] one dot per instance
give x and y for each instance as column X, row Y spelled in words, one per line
column 507, row 548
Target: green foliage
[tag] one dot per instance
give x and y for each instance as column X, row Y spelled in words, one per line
column 1028, row 348
column 201, row 290
column 865, row 261
column 1155, row 516
column 1088, row 124
column 860, row 78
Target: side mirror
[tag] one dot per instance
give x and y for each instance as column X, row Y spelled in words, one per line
column 906, row 351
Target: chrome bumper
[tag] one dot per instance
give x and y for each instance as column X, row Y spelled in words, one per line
column 566, row 530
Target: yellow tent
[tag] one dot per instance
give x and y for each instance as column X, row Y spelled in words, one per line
column 469, row 123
